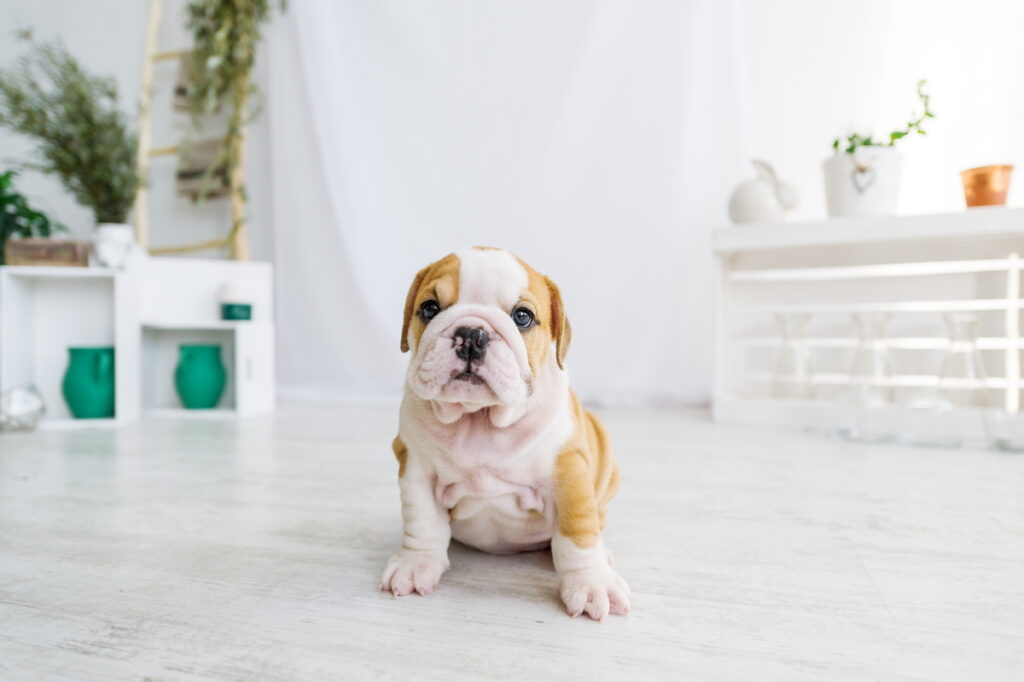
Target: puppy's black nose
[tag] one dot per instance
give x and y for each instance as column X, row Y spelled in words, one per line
column 470, row 343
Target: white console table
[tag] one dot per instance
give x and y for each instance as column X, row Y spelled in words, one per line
column 914, row 267
column 145, row 312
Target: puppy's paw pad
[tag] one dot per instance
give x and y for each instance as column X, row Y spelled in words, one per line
column 408, row 572
column 595, row 591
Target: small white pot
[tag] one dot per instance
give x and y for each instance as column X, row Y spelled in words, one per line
column 864, row 183
column 112, row 244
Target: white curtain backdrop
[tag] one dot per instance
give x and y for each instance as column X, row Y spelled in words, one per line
column 594, row 139
column 600, row 141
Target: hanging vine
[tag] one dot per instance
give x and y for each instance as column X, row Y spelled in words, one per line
column 226, row 34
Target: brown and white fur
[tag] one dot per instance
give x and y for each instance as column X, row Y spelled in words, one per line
column 493, row 446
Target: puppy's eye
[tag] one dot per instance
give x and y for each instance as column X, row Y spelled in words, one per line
column 523, row 318
column 429, row 309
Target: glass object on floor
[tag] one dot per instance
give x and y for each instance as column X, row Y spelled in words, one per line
column 1005, row 429
column 941, row 414
column 865, row 405
column 21, row 408
column 793, row 377
column 1004, row 421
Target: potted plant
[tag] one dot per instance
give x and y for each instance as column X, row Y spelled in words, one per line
column 83, row 137
column 18, row 220
column 863, row 176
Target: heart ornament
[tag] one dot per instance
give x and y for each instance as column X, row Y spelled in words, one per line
column 863, row 177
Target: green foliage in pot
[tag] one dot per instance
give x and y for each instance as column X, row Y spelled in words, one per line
column 225, row 36
column 855, row 140
column 83, row 138
column 17, row 218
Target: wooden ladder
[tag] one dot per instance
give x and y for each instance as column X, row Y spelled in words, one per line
column 237, row 239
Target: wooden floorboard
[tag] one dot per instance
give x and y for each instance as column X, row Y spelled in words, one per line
column 221, row 550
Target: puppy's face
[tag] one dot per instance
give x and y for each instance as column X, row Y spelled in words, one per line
column 481, row 324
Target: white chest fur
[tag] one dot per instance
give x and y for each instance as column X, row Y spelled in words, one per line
column 494, row 481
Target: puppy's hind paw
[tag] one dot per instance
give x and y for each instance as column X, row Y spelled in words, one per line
column 411, row 571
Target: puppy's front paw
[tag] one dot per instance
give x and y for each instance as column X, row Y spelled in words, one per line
column 409, row 571
column 595, row 590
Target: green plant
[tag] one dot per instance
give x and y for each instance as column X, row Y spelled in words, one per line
column 855, row 140
column 17, row 218
column 225, row 36
column 83, row 138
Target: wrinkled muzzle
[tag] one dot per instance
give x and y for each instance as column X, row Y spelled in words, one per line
column 471, row 354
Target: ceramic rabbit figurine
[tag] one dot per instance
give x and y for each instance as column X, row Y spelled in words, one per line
column 764, row 199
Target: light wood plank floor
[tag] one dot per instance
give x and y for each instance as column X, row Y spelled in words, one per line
column 217, row 550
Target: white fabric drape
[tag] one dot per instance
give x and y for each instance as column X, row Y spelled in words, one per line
column 595, row 139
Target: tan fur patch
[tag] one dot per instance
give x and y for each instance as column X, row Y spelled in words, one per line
column 544, row 300
column 438, row 281
column 560, row 329
column 401, row 454
column 586, row 478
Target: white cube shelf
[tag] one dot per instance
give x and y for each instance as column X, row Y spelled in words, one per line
column 917, row 268
column 247, row 354
column 144, row 312
column 44, row 311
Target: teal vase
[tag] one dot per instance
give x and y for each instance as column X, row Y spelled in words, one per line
column 88, row 385
column 200, row 376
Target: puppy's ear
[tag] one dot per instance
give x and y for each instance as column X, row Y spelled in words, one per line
column 410, row 301
column 560, row 329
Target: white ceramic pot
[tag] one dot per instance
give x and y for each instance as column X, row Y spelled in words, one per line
column 112, row 244
column 864, row 183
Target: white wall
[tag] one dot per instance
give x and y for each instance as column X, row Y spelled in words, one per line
column 107, row 37
column 817, row 70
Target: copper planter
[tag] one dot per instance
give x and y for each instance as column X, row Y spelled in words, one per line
column 986, row 185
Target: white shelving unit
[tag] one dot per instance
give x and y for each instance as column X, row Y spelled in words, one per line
column 914, row 267
column 145, row 312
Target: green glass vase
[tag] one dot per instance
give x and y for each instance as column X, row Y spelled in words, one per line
column 200, row 376
column 88, row 385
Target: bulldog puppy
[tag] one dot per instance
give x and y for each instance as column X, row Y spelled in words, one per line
column 493, row 446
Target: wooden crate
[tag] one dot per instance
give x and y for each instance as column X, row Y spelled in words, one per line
column 49, row 252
